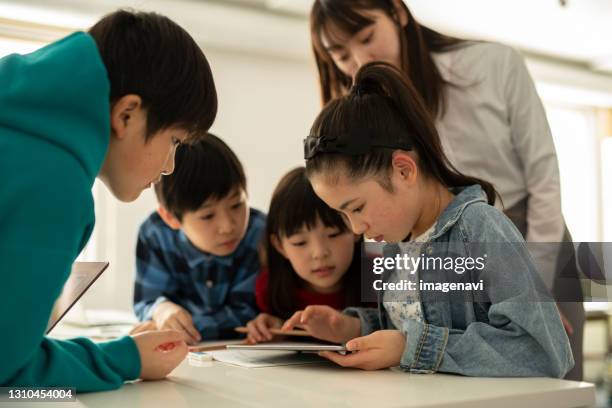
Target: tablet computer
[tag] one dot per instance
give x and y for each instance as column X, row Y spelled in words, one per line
column 82, row 276
column 289, row 346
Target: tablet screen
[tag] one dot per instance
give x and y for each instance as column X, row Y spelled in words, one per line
column 81, row 277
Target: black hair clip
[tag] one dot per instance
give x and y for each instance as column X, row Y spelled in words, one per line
column 324, row 144
column 352, row 145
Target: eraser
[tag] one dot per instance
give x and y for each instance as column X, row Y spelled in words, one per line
column 200, row 356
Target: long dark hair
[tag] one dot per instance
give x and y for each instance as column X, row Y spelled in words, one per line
column 417, row 42
column 294, row 205
column 385, row 105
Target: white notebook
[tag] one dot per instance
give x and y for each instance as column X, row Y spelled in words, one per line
column 264, row 358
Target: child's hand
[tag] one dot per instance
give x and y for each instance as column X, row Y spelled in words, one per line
column 147, row 325
column 160, row 352
column 259, row 328
column 170, row 316
column 381, row 349
column 325, row 323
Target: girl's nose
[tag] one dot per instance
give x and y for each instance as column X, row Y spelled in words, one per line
column 361, row 57
column 320, row 252
column 358, row 228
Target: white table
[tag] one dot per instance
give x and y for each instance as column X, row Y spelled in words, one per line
column 323, row 385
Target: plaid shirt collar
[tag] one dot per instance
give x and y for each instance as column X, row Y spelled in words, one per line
column 194, row 256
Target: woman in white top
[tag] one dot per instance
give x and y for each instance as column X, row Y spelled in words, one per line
column 490, row 119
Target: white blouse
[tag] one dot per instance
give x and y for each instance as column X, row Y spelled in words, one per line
column 402, row 305
column 494, row 127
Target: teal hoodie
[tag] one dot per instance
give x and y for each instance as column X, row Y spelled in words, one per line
column 54, row 133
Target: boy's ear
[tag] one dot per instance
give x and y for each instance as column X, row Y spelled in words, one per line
column 277, row 245
column 405, row 167
column 123, row 114
column 168, row 218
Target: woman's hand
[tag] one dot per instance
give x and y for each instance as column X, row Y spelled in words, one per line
column 325, row 323
column 381, row 349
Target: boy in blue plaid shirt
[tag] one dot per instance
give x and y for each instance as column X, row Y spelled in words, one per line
column 197, row 255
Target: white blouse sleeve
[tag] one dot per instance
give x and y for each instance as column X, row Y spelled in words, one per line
column 534, row 146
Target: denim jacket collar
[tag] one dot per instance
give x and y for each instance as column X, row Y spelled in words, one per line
column 464, row 196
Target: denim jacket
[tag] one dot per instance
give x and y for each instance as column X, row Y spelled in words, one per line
column 507, row 335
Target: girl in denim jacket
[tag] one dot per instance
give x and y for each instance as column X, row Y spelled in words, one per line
column 375, row 156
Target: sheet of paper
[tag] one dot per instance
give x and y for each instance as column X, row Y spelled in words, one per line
column 264, row 358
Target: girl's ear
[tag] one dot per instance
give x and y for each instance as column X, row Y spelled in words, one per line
column 356, row 237
column 123, row 114
column 404, row 167
column 277, row 245
column 169, row 218
column 400, row 13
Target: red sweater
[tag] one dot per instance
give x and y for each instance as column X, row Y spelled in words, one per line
column 303, row 296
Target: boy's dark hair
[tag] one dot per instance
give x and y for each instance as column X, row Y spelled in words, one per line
column 295, row 205
column 151, row 56
column 385, row 105
column 205, row 169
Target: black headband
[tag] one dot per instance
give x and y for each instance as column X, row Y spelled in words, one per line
column 352, row 145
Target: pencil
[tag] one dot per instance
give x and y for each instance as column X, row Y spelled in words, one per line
column 278, row 332
column 208, row 348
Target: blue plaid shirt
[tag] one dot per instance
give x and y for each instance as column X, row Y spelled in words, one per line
column 218, row 291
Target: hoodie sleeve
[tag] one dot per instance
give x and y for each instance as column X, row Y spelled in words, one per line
column 54, row 130
column 45, row 232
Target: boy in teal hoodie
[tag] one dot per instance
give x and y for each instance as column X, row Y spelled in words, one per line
column 113, row 104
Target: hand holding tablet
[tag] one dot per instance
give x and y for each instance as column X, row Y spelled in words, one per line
column 325, row 323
